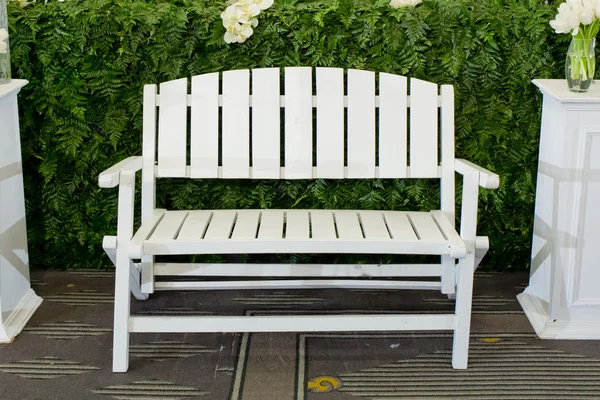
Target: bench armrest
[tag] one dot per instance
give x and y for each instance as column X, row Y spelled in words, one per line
column 110, row 177
column 487, row 179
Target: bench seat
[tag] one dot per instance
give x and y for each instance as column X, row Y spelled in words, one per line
column 296, row 231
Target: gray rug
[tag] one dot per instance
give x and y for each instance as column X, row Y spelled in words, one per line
column 65, row 351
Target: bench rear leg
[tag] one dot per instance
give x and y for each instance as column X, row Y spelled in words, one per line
column 464, row 296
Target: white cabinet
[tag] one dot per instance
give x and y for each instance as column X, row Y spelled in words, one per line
column 17, row 300
column 562, row 300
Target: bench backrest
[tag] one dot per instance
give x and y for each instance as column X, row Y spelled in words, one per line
column 265, row 124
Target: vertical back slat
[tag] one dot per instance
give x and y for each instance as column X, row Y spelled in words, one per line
column 265, row 123
column 361, row 124
column 447, row 182
column 392, row 126
column 423, row 129
column 330, row 123
column 172, row 128
column 298, row 123
column 149, row 152
column 204, row 140
column 236, row 124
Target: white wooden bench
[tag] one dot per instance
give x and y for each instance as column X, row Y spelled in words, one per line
column 249, row 140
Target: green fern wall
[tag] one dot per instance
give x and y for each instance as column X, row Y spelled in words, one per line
column 87, row 61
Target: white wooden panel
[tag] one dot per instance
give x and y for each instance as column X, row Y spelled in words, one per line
column 295, row 323
column 322, row 226
column 265, row 123
column 330, row 123
column 195, row 225
column 373, row 225
column 298, row 123
column 220, row 225
column 236, row 124
column 149, row 152
column 246, row 224
column 298, row 270
column 298, row 284
column 172, row 128
column 204, row 140
column 142, row 234
column 392, row 126
column 399, row 226
column 423, row 129
column 425, row 226
column 361, row 124
column 271, row 224
column 348, row 226
column 297, row 224
column 169, row 226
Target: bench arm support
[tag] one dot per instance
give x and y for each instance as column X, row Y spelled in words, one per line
column 487, row 179
column 112, row 176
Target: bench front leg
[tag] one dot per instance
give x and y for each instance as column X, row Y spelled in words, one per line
column 122, row 275
column 466, row 270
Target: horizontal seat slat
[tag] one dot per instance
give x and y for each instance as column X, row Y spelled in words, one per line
column 298, row 231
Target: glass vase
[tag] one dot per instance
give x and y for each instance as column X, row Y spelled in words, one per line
column 4, row 47
column 581, row 64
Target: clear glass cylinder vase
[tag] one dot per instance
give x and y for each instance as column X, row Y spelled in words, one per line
column 581, row 64
column 4, row 47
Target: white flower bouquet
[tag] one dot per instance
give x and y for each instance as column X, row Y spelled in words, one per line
column 580, row 18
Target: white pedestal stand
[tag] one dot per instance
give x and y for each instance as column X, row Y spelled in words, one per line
column 17, row 300
column 562, row 300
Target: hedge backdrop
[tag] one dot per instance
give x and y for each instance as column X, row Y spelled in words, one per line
column 87, row 61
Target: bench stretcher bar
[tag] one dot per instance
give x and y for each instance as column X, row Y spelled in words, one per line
column 294, row 323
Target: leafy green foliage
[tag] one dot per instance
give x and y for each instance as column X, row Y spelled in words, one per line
column 88, row 60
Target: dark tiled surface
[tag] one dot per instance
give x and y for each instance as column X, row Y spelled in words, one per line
column 65, row 351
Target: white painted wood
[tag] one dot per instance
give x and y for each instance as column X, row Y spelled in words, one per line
column 18, row 301
column 297, row 224
column 299, row 284
column 423, row 129
column 425, row 227
column 172, row 128
column 348, row 225
column 220, row 226
column 446, row 227
column 373, row 225
column 168, row 227
column 487, row 179
column 322, row 225
column 265, row 123
column 299, row 270
column 562, row 300
column 399, row 226
column 361, row 124
column 246, row 225
column 122, row 274
column 278, row 246
column 194, row 226
column 149, row 133
column 204, row 129
column 110, row 177
column 143, row 233
column 466, row 269
column 447, row 184
column 305, row 231
column 296, row 323
column 298, row 123
column 330, row 123
column 271, row 225
column 393, row 124
column 236, row 124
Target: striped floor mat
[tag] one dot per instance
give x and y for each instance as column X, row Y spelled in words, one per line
column 65, row 351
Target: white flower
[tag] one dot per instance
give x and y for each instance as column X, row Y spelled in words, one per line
column 404, row 3
column 264, row 4
column 3, row 42
column 238, row 34
column 567, row 19
column 246, row 10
